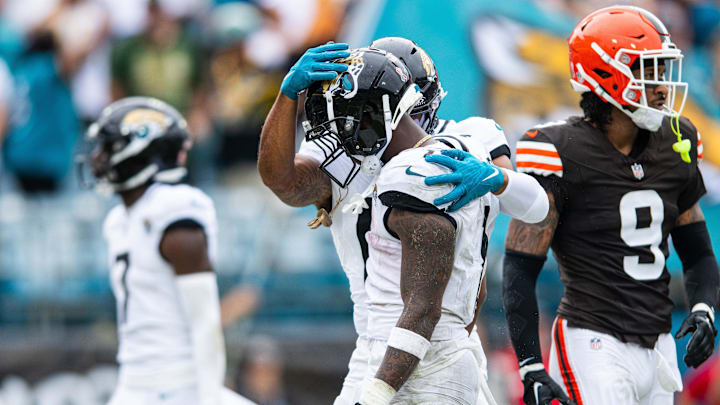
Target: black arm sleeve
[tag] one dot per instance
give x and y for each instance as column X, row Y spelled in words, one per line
column 398, row 199
column 502, row 150
column 702, row 279
column 520, row 273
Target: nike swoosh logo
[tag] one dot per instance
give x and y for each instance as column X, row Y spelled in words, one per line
column 495, row 173
column 412, row 173
column 536, row 391
column 531, row 134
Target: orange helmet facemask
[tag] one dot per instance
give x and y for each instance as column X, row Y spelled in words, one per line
column 608, row 44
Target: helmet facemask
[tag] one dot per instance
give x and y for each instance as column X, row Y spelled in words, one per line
column 425, row 112
column 635, row 92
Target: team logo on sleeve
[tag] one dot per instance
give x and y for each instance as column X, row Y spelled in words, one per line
column 638, row 171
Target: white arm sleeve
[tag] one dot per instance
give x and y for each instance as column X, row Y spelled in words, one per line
column 200, row 300
column 312, row 150
column 524, row 198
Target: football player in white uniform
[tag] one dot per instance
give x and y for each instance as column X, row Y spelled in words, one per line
column 300, row 179
column 161, row 244
column 425, row 263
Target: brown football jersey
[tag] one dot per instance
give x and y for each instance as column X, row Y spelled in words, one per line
column 616, row 212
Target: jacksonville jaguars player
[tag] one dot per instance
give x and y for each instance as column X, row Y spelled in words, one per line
column 620, row 180
column 300, row 180
column 425, row 263
column 161, row 246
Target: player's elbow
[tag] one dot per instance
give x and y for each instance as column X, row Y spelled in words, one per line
column 267, row 173
column 524, row 198
column 282, row 186
column 538, row 211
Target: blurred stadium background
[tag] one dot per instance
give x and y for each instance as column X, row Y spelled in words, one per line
column 286, row 306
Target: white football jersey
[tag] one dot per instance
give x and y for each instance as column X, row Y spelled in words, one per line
column 485, row 130
column 401, row 183
column 153, row 332
column 348, row 230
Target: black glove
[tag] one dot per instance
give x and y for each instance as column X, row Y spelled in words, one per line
column 540, row 389
column 702, row 342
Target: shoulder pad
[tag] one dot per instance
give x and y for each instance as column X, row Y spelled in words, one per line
column 472, row 125
column 112, row 220
column 170, row 203
column 480, row 130
column 407, row 171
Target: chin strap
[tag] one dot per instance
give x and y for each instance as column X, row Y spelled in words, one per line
column 682, row 146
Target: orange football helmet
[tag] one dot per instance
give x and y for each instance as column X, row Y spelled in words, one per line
column 609, row 43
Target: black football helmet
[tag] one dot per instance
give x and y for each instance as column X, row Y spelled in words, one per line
column 138, row 140
column 423, row 74
column 356, row 112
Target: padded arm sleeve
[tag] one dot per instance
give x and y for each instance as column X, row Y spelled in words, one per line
column 200, row 300
column 520, row 273
column 524, row 198
column 692, row 243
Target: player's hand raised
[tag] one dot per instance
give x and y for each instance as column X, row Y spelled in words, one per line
column 702, row 341
column 540, row 389
column 472, row 176
column 314, row 66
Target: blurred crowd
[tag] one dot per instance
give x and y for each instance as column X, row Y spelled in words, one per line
column 220, row 63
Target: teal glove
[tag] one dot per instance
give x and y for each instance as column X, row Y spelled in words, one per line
column 473, row 177
column 313, row 66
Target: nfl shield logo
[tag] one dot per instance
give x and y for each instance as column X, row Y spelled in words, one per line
column 638, row 171
column 595, row 343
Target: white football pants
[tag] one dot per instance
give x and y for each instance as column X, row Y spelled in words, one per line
column 357, row 369
column 449, row 374
column 597, row 369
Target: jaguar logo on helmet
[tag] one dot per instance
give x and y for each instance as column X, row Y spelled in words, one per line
column 345, row 84
column 145, row 122
column 427, row 63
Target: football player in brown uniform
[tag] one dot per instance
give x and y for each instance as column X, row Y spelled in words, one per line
column 620, row 180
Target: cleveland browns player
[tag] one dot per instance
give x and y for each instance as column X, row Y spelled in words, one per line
column 620, row 179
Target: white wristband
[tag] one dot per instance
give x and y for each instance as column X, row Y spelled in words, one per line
column 530, row 368
column 377, row 392
column 409, row 342
column 701, row 306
